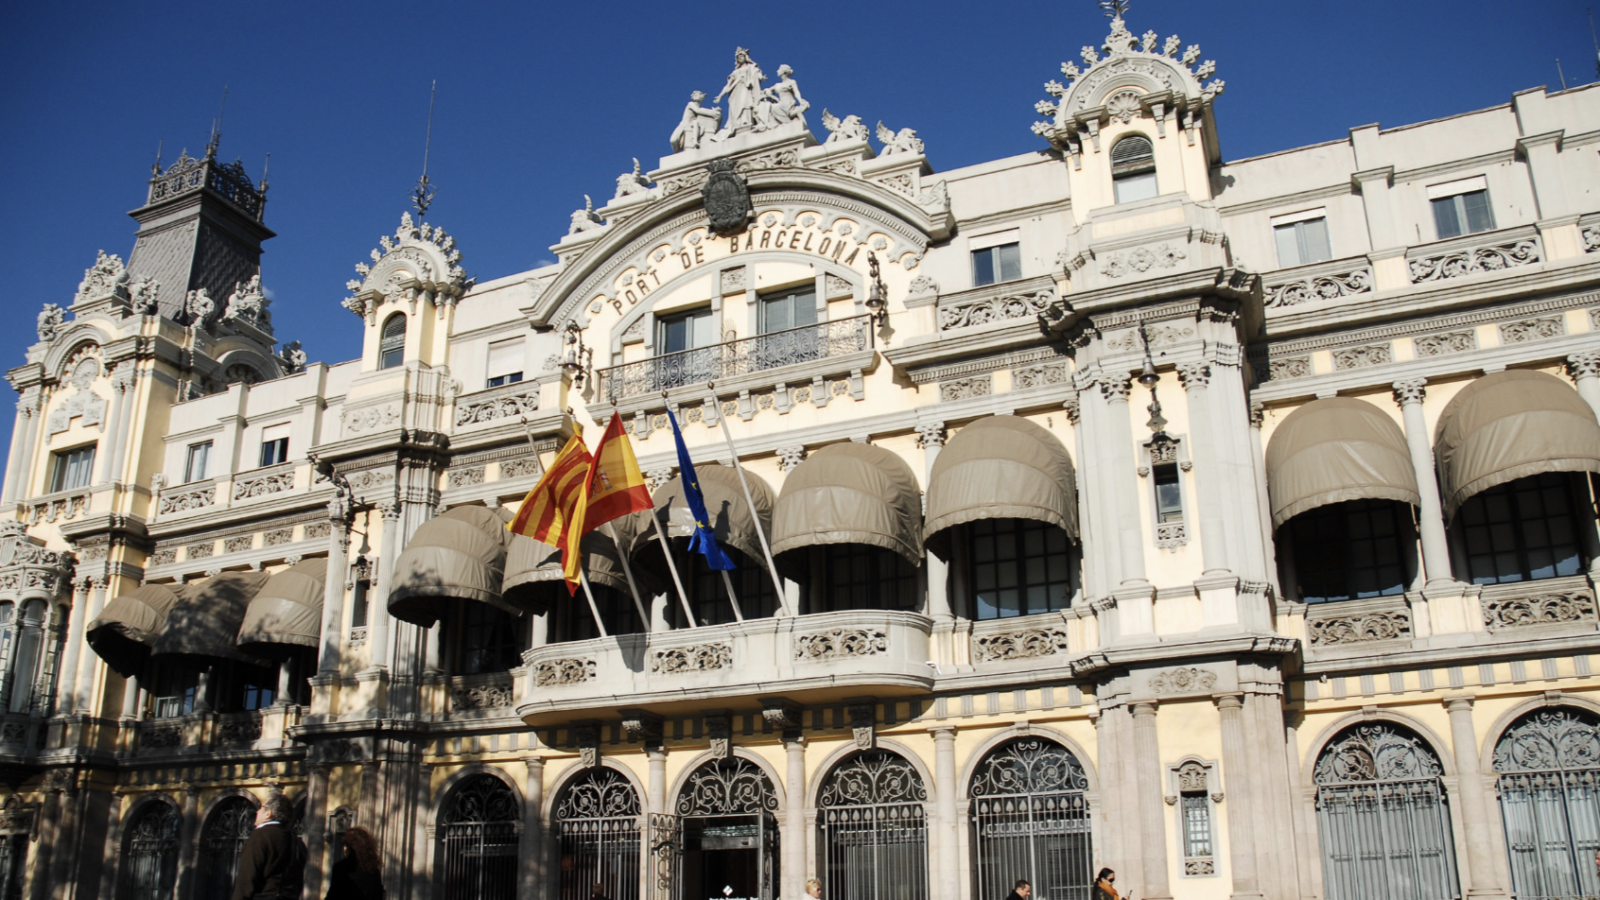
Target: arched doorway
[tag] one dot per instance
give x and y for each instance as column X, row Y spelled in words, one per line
column 1548, row 768
column 598, row 825
column 150, row 856
column 1030, row 819
column 873, row 829
column 721, row 839
column 478, row 839
column 226, row 830
column 1383, row 818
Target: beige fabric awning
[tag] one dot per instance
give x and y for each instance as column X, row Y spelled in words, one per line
column 1001, row 467
column 1510, row 425
column 1337, row 449
column 458, row 555
column 287, row 609
column 850, row 494
column 127, row 628
column 530, row 562
column 205, row 622
column 731, row 520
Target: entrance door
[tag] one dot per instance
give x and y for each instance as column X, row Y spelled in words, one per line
column 723, row 843
column 722, row 858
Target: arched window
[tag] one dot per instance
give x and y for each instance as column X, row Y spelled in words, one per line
column 478, row 834
column 1349, row 551
column 1525, row 529
column 25, row 662
column 1133, row 169
column 1548, row 768
column 226, row 830
column 721, row 834
column 477, row 639
column 1382, row 816
column 598, row 825
column 150, row 856
column 1030, row 819
column 392, row 346
column 874, row 834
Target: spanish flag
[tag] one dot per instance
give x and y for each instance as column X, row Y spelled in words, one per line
column 553, row 512
column 616, row 486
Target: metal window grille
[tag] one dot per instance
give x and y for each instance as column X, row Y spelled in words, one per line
column 1197, row 859
column 479, row 832
column 13, row 865
column 873, row 828
column 1020, row 567
column 598, row 822
column 150, row 862
column 225, row 834
column 1523, row 530
column 1384, row 824
column 721, row 796
column 1549, row 778
column 1030, row 820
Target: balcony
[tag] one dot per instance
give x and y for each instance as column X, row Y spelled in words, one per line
column 808, row 659
column 789, row 356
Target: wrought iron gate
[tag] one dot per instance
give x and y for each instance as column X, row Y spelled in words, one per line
column 721, row 789
column 874, row 831
column 597, row 822
column 478, row 832
column 13, row 865
column 230, row 826
column 666, row 855
column 1549, row 783
column 151, row 864
column 1030, row 819
column 1385, row 827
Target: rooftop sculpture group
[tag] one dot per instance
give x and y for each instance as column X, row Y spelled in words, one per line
column 751, row 107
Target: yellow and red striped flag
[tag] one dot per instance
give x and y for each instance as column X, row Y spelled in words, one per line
column 616, row 486
column 553, row 512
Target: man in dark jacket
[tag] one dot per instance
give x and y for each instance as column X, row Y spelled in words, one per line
column 272, row 865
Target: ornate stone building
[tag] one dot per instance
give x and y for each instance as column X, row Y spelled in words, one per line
column 1230, row 524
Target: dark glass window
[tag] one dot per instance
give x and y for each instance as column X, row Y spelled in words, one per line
column 858, row 576
column 498, row 380
column 709, row 597
column 1169, row 493
column 359, row 603
column 198, row 464
column 243, row 687
column 1352, row 550
column 1462, row 214
column 995, row 264
column 175, row 684
column 72, row 468
column 1196, row 825
column 789, row 308
column 1133, row 169
column 392, row 345
column 1524, row 530
column 685, row 332
column 576, row 621
column 274, row 451
column 479, row 638
column 1020, row 567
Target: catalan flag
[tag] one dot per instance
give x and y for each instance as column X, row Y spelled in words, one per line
column 553, row 512
column 616, row 486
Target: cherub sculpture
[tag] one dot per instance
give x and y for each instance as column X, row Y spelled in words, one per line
column 632, row 182
column 294, row 358
column 584, row 219
column 850, row 128
column 247, row 302
column 199, row 305
column 143, row 294
column 903, row 141
column 50, row 321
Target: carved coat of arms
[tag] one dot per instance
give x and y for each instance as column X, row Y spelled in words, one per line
column 727, row 199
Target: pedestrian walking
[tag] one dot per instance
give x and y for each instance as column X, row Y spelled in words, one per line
column 359, row 874
column 814, row 887
column 1104, row 886
column 1022, row 891
column 272, row 864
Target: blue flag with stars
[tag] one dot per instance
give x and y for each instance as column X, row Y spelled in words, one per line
column 703, row 541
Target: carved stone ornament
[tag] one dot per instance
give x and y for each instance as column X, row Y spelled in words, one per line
column 863, row 722
column 496, row 693
column 1182, row 680
column 719, row 729
column 696, row 658
column 840, row 643
column 1542, row 609
column 638, row 725
column 1459, row 263
column 1360, row 628
column 1448, row 342
column 51, row 319
column 727, row 199
column 1319, row 287
column 588, row 739
column 563, row 671
column 1028, row 643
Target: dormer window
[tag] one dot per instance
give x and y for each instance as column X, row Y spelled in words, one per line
column 392, row 346
column 1133, row 169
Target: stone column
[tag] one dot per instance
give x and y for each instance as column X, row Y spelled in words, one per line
column 931, row 436
column 67, row 684
column 316, row 827
column 333, row 595
column 1477, row 809
column 368, row 810
column 29, row 409
column 1152, row 819
column 1430, row 515
column 1087, row 539
column 531, row 848
column 1584, row 368
column 794, row 816
column 123, row 381
column 1210, row 487
column 378, row 606
column 658, row 779
column 188, row 832
column 947, row 872
column 19, row 431
column 89, row 661
column 1119, row 477
column 108, row 449
column 1236, row 785
column 1258, row 463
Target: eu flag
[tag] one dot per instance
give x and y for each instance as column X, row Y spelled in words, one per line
column 703, row 541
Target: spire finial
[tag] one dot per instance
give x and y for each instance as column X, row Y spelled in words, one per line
column 156, row 168
column 422, row 194
column 1115, row 9
column 216, row 126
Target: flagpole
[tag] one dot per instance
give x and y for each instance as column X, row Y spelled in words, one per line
column 755, row 516
column 666, row 550
column 593, row 607
column 627, row 570
column 727, row 582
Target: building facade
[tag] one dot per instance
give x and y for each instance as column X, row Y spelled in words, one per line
column 1228, row 524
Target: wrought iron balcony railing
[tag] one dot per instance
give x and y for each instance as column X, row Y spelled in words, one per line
column 808, row 343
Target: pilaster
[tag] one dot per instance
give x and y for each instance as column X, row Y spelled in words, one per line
column 947, row 871
column 1478, row 811
column 1152, row 818
column 1239, row 805
column 531, row 844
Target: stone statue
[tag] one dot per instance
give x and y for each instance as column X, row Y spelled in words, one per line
column 584, row 219
column 294, row 359
column 850, row 128
column 696, row 125
column 781, row 103
column 903, row 141
column 143, row 293
column 743, row 91
column 51, row 320
column 632, row 182
column 248, row 302
column 199, row 306
column 106, row 276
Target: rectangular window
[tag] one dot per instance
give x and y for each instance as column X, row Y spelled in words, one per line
column 1019, row 567
column 996, row 264
column 505, row 362
column 174, row 694
column 1196, row 832
column 1353, row 550
column 685, row 332
column 1303, row 242
column 616, row 611
column 1138, row 186
column 864, row 577
column 274, row 444
column 71, row 469
column 358, row 604
column 790, row 308
column 197, row 464
column 1460, row 214
column 1524, row 530
column 1169, row 493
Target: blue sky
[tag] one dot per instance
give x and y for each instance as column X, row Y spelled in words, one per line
column 540, row 103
